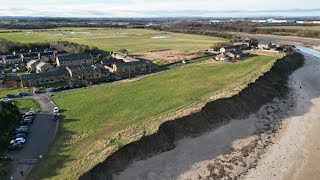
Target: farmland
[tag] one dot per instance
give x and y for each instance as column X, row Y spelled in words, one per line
column 98, row 120
column 134, row 40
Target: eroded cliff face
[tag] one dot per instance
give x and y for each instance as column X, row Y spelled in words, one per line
column 269, row 86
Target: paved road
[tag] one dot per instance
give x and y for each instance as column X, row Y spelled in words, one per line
column 42, row 132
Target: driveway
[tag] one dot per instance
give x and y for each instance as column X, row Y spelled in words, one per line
column 42, row 132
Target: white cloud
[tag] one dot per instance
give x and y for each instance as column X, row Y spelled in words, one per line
column 151, row 8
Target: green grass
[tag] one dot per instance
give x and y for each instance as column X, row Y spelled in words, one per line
column 100, row 119
column 25, row 104
column 313, row 28
column 135, row 40
column 14, row 91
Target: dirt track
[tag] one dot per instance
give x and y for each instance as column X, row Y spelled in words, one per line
column 289, row 40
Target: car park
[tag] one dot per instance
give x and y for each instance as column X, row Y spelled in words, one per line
column 21, row 94
column 14, row 147
column 6, row 100
column 19, row 140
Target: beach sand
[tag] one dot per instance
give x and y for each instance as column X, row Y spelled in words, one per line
column 280, row 141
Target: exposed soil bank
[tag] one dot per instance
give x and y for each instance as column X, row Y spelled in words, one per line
column 272, row 84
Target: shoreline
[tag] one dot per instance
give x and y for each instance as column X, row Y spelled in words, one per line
column 266, row 145
column 295, row 154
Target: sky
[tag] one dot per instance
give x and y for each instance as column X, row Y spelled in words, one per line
column 159, row 8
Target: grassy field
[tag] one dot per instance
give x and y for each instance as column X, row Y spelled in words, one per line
column 24, row 104
column 135, row 40
column 98, row 120
column 313, row 28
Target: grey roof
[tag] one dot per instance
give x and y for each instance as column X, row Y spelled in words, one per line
column 80, row 68
column 32, row 62
column 74, row 57
column 57, row 72
column 131, row 63
column 30, row 55
column 13, row 57
column 41, row 64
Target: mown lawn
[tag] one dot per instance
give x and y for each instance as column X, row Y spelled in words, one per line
column 93, row 117
column 135, row 40
column 25, row 104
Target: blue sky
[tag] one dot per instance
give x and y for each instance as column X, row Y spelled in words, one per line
column 156, row 8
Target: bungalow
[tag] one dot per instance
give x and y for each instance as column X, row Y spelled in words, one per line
column 31, row 66
column 125, row 69
column 222, row 57
column 43, row 67
column 74, row 60
column 12, row 60
column 34, row 79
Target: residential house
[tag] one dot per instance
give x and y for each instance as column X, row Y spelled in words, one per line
column 60, row 53
column 85, row 74
column 124, row 57
column 19, row 53
column 118, row 55
column 264, row 45
column 43, row 67
column 125, row 69
column 223, row 57
column 47, row 56
column 74, row 60
column 29, row 56
column 3, row 55
column 31, row 66
column 53, row 50
column 12, row 60
column 34, row 79
column 234, row 54
column 238, row 47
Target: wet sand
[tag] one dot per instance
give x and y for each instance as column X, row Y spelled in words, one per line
column 280, row 141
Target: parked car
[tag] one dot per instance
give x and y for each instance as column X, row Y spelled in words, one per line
column 28, row 115
column 56, row 110
column 51, row 89
column 22, row 129
column 21, row 94
column 14, row 147
column 30, row 112
column 19, row 140
column 6, row 100
column 6, row 158
column 10, row 95
column 20, row 135
column 26, row 122
column 66, row 87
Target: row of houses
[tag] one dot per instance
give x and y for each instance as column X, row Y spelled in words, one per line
column 19, row 57
column 73, row 75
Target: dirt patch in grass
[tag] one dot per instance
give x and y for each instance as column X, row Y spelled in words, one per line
column 170, row 55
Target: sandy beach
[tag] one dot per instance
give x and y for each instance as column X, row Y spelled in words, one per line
column 280, row 141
